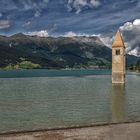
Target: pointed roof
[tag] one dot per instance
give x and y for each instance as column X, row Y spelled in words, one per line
column 118, row 40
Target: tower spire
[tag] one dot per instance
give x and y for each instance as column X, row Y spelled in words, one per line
column 118, row 40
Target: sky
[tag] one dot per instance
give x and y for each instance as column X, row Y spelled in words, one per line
column 72, row 17
column 58, row 17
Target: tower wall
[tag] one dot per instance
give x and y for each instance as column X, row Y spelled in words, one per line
column 118, row 63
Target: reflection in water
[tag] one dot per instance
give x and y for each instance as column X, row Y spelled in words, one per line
column 118, row 97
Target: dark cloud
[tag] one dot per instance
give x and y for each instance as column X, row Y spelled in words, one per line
column 4, row 24
column 79, row 5
column 8, row 5
column 94, row 16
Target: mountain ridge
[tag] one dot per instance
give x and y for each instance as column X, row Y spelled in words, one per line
column 56, row 52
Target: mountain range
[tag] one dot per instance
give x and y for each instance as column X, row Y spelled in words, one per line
column 74, row 17
column 56, row 52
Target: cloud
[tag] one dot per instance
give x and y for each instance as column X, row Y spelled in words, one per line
column 79, row 5
column 89, row 21
column 37, row 14
column 73, row 34
column 1, row 15
column 26, row 24
column 95, row 3
column 70, row 34
column 4, row 24
column 22, row 5
column 131, row 25
column 42, row 33
column 136, row 22
column 127, row 26
column 131, row 34
column 46, row 1
column 107, row 40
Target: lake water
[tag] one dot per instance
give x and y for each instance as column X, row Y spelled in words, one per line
column 40, row 99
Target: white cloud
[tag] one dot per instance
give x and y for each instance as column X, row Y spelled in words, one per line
column 70, row 34
column 73, row 34
column 28, row 23
column 127, row 26
column 134, row 51
column 131, row 25
column 107, row 40
column 95, row 3
column 4, row 24
column 78, row 5
column 131, row 34
column 42, row 33
column 136, row 22
column 37, row 14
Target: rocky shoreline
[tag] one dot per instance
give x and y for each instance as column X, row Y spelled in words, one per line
column 122, row 131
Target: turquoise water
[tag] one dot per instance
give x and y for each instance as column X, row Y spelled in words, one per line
column 65, row 99
column 50, row 73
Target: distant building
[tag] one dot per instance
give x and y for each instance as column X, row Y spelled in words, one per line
column 118, row 59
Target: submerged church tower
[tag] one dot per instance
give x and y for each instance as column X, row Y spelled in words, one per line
column 118, row 59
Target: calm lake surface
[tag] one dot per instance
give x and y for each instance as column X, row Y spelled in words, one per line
column 39, row 99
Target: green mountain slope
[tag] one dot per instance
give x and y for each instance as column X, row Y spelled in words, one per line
column 22, row 51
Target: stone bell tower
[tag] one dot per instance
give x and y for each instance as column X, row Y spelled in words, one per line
column 118, row 59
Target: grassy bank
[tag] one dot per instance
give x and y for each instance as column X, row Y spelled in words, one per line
column 22, row 65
